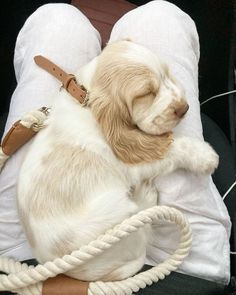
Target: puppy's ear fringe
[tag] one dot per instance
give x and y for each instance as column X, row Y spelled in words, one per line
column 130, row 144
column 135, row 147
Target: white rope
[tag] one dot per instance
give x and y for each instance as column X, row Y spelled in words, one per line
column 28, row 280
column 11, row 266
column 35, row 119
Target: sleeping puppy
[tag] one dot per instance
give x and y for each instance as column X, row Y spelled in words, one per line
column 92, row 167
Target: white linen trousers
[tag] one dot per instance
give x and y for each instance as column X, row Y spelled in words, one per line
column 63, row 34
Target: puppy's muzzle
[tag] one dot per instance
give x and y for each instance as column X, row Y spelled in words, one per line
column 182, row 110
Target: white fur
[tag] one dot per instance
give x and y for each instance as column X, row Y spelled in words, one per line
column 61, row 211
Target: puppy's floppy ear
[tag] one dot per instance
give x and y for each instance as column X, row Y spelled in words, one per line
column 130, row 144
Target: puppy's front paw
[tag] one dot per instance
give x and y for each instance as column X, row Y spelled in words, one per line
column 211, row 162
column 206, row 159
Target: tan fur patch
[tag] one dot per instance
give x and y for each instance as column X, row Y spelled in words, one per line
column 130, row 144
column 57, row 192
column 116, row 83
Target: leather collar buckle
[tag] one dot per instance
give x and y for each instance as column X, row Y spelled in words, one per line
column 68, row 81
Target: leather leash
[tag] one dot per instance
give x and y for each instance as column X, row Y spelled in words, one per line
column 16, row 137
column 68, row 80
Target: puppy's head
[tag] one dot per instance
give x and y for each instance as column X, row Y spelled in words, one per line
column 136, row 101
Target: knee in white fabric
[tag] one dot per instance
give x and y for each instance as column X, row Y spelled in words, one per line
column 155, row 11
column 57, row 25
column 60, row 32
column 59, row 13
column 65, row 17
column 149, row 23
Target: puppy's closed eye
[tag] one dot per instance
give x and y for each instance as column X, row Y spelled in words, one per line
column 143, row 101
column 147, row 94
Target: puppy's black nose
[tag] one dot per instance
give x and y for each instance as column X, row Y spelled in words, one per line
column 182, row 110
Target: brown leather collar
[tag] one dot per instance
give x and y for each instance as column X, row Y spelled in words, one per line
column 68, row 80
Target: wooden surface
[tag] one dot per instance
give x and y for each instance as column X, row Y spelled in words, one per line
column 103, row 14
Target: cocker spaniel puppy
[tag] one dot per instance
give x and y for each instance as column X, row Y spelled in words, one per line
column 94, row 166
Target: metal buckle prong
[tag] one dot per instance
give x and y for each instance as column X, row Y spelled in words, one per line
column 86, row 99
column 45, row 110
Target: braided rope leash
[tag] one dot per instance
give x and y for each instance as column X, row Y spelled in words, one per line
column 28, row 280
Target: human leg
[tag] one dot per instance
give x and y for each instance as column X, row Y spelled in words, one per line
column 169, row 32
column 63, row 34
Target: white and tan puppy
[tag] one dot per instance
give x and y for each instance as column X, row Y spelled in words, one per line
column 92, row 167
